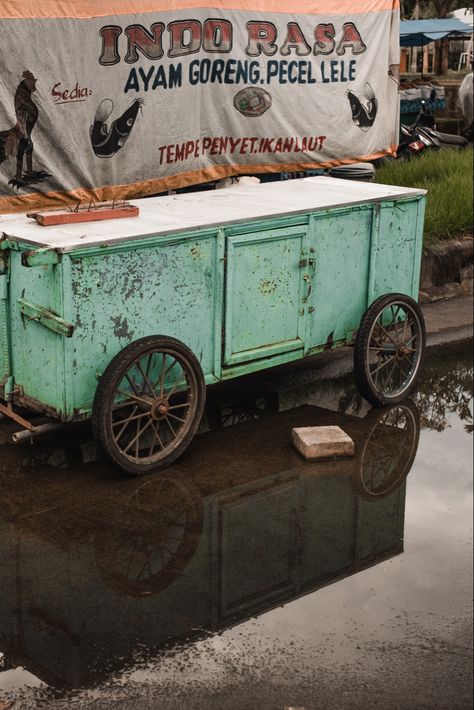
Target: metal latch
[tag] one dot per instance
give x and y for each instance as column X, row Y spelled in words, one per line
column 306, row 262
column 44, row 316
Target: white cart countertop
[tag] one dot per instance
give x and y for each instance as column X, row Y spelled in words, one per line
column 160, row 216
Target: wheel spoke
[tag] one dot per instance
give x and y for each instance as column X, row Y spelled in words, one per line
column 175, row 417
column 153, row 443
column 131, row 418
column 170, row 426
column 137, row 441
column 121, row 405
column 131, row 383
column 387, row 334
column 168, row 394
column 404, row 327
column 162, row 378
column 136, row 398
column 402, row 364
column 394, row 321
column 384, row 364
column 164, row 372
column 139, row 433
column 148, row 366
column 145, row 378
column 397, row 324
column 124, row 426
column 389, row 377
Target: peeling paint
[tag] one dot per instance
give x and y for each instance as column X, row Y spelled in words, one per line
column 121, row 329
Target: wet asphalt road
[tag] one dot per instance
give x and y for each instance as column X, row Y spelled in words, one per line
column 243, row 577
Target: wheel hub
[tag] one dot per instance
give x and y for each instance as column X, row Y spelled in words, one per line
column 159, row 408
column 402, row 352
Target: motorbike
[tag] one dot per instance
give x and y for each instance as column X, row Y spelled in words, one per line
column 422, row 135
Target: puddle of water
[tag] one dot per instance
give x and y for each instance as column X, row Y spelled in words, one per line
column 242, row 576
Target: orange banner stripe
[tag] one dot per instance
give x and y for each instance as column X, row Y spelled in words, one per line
column 9, row 205
column 83, row 9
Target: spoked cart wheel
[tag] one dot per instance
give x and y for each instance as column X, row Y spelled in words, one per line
column 148, row 404
column 389, row 349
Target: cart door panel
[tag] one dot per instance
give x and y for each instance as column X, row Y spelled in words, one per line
column 397, row 269
column 341, row 270
column 264, row 290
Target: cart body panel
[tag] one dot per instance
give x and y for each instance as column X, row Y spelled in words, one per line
column 244, row 294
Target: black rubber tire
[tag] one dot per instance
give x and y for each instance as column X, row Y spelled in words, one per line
column 363, row 377
column 111, row 378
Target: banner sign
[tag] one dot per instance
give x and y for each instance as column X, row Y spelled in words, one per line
column 109, row 100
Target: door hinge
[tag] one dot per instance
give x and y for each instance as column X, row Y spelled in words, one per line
column 3, row 287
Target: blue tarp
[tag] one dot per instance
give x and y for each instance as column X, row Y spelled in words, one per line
column 416, row 33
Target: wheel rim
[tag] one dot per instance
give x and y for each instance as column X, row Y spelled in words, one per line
column 153, row 405
column 389, row 452
column 394, row 350
column 152, row 539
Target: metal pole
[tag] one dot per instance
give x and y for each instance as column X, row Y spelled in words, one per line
column 25, row 434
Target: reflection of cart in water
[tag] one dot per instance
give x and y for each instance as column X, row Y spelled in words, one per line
column 225, row 535
column 129, row 328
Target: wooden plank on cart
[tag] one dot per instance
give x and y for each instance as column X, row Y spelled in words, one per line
column 91, row 213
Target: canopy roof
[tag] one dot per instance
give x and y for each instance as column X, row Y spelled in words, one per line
column 415, row 33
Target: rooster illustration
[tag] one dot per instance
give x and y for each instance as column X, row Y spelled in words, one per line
column 16, row 142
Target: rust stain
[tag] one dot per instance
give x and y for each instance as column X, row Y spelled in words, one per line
column 267, row 287
column 329, row 341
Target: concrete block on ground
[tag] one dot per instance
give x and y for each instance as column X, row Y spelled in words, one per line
column 322, row 442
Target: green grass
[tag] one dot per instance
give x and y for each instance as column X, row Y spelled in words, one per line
column 447, row 175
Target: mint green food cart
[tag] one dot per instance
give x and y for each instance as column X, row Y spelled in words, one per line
column 126, row 321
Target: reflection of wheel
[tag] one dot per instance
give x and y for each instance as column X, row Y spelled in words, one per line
column 148, row 404
column 389, row 349
column 152, row 540
column 389, row 451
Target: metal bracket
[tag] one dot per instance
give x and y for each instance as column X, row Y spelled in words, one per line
column 45, row 317
column 29, row 430
column 8, row 412
column 40, row 257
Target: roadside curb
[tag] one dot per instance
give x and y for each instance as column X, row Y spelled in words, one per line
column 447, row 270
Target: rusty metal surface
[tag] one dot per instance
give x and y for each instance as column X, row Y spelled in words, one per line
column 11, row 414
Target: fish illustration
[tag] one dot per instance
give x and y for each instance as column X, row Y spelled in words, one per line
column 108, row 141
column 363, row 116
